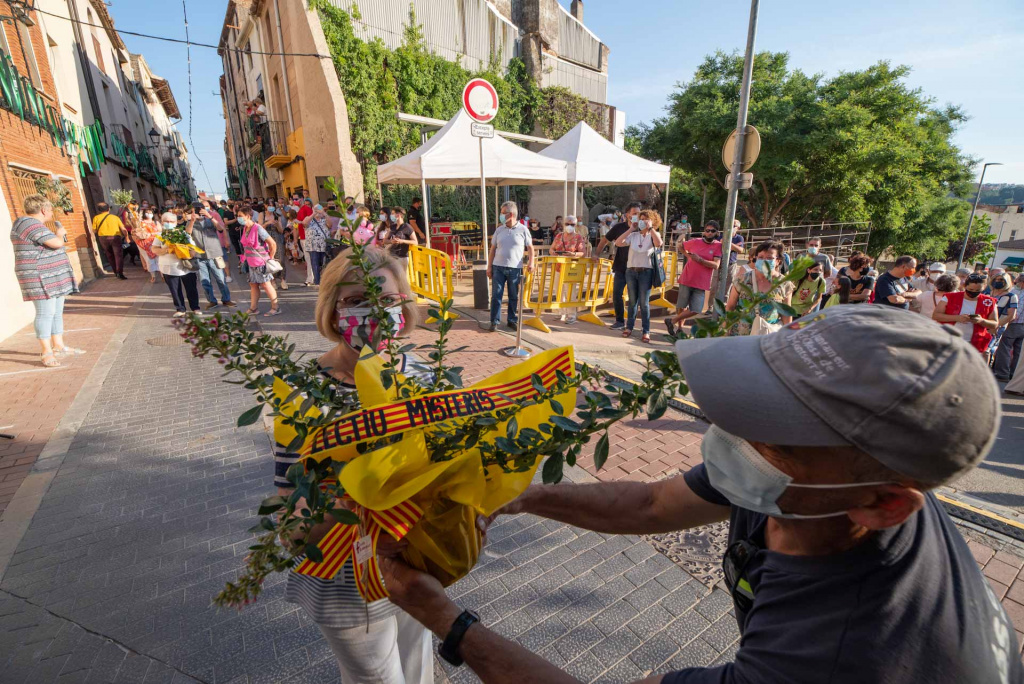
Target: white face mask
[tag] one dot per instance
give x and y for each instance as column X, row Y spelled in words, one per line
column 169, row 225
column 502, row 218
column 634, row 218
column 570, row 228
column 383, row 217
column 642, row 225
column 748, row 480
column 394, row 218
column 148, row 215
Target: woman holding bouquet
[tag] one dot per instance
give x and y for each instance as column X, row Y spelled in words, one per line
column 375, row 643
column 258, row 248
column 176, row 275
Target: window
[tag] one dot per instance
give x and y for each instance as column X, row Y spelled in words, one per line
column 25, row 185
column 53, row 52
column 248, row 53
column 99, row 53
column 31, row 66
column 1013, row 235
column 269, row 33
column 5, row 48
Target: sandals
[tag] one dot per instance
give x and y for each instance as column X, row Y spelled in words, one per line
column 627, row 333
column 671, row 327
column 52, row 362
column 645, row 338
column 254, row 310
column 274, row 309
column 68, row 351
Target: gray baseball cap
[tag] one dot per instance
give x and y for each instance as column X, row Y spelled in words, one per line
column 912, row 394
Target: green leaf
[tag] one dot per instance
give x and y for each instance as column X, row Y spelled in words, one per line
column 538, row 384
column 314, row 554
column 511, row 427
column 565, row 423
column 552, row 471
column 344, row 516
column 250, row 416
column 601, row 451
column 556, row 406
column 271, row 504
column 657, row 404
column 785, row 309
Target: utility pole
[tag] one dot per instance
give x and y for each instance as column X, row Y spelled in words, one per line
column 737, row 160
column 963, row 249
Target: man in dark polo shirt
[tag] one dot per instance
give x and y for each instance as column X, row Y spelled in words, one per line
column 416, row 218
column 630, row 217
column 893, row 287
column 827, row 438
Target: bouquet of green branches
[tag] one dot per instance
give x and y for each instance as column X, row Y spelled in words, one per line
column 122, row 198
column 262, row 362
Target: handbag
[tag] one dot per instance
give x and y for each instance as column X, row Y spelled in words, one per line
column 658, row 268
column 273, row 266
column 220, row 263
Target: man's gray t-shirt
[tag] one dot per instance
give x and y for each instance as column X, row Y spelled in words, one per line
column 823, row 260
column 510, row 245
column 907, row 605
column 204, row 234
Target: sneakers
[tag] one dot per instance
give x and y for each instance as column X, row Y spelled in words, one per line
column 617, row 326
column 570, row 320
column 510, row 325
column 228, row 278
column 284, row 285
column 122, row 276
column 212, row 305
column 228, row 303
column 178, row 314
column 670, row 326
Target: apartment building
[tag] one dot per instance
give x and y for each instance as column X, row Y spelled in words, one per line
column 306, row 135
column 79, row 116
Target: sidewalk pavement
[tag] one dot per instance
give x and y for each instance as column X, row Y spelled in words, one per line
column 150, row 499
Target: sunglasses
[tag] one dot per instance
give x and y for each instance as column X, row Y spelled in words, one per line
column 734, row 565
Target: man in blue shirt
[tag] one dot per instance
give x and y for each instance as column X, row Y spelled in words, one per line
column 510, row 244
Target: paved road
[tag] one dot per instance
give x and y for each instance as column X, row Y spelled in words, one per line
column 1000, row 479
column 146, row 518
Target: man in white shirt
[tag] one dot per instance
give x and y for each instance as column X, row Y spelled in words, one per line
column 510, row 243
column 926, row 283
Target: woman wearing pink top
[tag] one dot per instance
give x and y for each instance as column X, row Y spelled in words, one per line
column 258, row 248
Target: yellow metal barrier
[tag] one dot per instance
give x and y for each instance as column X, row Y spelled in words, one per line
column 430, row 276
column 566, row 283
column 671, row 262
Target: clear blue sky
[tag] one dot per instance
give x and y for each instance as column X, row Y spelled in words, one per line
column 962, row 53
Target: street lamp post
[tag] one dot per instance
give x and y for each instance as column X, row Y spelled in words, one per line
column 981, row 181
column 999, row 238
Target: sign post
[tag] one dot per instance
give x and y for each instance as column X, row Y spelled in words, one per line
column 480, row 100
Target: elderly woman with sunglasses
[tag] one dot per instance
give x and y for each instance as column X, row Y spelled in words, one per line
column 373, row 642
column 970, row 312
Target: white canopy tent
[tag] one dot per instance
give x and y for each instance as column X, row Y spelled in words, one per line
column 593, row 160
column 453, row 156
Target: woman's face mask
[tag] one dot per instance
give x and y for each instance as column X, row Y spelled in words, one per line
column 570, row 228
column 394, row 218
column 383, row 217
column 765, row 266
column 642, row 225
column 169, row 225
column 148, row 215
column 357, row 328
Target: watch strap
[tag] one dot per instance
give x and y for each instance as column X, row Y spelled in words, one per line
column 449, row 648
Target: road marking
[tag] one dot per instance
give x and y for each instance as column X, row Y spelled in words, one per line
column 979, row 511
column 34, row 370
column 66, row 331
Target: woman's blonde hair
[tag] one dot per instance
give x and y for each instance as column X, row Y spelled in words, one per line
column 342, row 270
column 363, row 210
column 653, row 216
column 35, row 204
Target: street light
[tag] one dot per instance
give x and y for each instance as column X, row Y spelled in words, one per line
column 154, row 135
column 977, row 197
column 999, row 239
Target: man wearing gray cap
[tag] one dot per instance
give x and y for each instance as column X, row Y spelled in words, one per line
column 826, row 438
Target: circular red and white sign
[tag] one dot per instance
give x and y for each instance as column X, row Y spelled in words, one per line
column 480, row 100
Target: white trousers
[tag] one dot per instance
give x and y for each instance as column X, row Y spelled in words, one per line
column 396, row 650
column 309, row 263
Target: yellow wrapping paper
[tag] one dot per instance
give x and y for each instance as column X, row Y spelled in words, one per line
column 446, row 541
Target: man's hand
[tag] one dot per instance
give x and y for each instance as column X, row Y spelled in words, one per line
column 489, row 272
column 61, row 232
column 416, row 592
column 529, row 267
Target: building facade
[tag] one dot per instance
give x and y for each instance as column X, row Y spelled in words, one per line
column 306, row 139
column 79, row 117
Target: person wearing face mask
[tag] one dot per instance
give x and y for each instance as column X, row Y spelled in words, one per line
column 1006, row 304
column 629, row 218
column 1008, row 352
column 204, row 227
column 557, row 228
column 926, row 282
column 259, row 248
column 972, row 313
column 892, row 287
column 641, row 241
column 759, row 279
column 511, row 251
column 383, row 229
column 372, row 642
column 841, row 563
column 702, row 256
column 808, row 291
column 147, row 231
column 400, row 237
column 177, row 277
column 568, row 243
column 317, row 234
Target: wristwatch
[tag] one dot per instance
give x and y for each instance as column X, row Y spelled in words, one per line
column 449, row 648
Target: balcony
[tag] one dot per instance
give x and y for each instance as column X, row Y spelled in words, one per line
column 274, row 144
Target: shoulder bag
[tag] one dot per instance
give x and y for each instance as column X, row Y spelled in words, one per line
column 657, row 267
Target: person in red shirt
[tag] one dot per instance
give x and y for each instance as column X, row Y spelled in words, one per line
column 703, row 255
column 305, row 211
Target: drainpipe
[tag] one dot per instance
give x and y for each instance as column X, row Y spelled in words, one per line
column 284, row 67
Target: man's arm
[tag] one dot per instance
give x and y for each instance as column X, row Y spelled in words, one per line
column 640, row 507
column 601, row 244
column 493, row 658
column 1010, row 316
column 736, row 247
column 529, row 256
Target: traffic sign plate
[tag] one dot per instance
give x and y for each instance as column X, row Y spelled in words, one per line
column 480, row 100
column 480, row 130
column 751, row 148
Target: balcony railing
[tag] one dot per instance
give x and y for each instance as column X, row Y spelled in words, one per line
column 274, row 143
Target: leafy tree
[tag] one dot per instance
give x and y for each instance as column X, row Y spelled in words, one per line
column 862, row 146
column 980, row 247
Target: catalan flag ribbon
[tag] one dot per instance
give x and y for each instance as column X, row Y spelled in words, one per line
column 338, row 546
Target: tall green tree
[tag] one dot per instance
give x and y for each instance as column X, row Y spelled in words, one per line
column 861, row 146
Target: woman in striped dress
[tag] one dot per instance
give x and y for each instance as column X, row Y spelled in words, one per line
column 45, row 276
column 375, row 643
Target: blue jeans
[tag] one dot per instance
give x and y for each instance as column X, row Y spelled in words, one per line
column 317, row 261
column 618, row 285
column 49, row 317
column 207, row 271
column 638, row 280
column 500, row 276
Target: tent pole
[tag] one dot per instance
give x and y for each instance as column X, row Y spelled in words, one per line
column 575, row 193
column 497, row 206
column 565, row 198
column 483, row 199
column 426, row 207
column 664, row 223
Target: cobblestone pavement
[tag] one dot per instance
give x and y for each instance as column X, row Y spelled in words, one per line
column 146, row 518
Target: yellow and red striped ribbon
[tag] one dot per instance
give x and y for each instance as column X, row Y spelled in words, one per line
column 338, row 546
